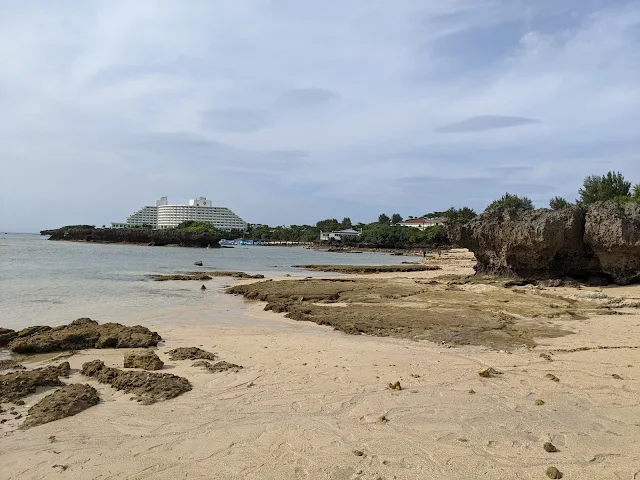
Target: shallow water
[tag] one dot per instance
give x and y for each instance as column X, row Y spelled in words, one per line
column 50, row 283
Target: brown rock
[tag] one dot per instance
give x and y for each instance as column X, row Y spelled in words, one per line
column 6, row 335
column 530, row 243
column 553, row 472
column 489, row 372
column 552, row 377
column 64, row 402
column 550, row 447
column 601, row 241
column 612, row 231
column 16, row 385
column 190, row 353
column 145, row 359
column 80, row 334
column 10, row 365
column 218, row 366
column 147, row 386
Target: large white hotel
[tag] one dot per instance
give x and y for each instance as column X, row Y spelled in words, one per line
column 165, row 215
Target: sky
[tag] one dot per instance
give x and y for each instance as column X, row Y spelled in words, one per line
column 290, row 111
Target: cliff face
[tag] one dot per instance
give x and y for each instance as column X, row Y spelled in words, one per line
column 612, row 231
column 603, row 240
column 135, row 236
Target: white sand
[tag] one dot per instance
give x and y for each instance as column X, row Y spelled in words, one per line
column 308, row 397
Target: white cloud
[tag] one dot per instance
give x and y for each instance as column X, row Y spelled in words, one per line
column 311, row 104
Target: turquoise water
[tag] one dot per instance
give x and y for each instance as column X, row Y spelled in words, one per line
column 50, row 283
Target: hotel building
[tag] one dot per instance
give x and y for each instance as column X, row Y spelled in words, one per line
column 165, row 215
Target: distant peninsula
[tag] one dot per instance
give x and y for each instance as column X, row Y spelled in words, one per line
column 179, row 237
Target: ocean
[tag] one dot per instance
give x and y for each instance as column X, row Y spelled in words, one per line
column 46, row 282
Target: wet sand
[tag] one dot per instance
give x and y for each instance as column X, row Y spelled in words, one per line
column 315, row 403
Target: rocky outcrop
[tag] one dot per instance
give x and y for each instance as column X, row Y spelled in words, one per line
column 612, row 231
column 140, row 236
column 6, row 335
column 529, row 243
column 217, row 367
column 64, row 402
column 144, row 359
column 80, row 334
column 148, row 387
column 190, row 353
column 16, row 385
column 11, row 365
column 601, row 241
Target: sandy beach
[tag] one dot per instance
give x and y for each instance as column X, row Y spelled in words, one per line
column 315, row 403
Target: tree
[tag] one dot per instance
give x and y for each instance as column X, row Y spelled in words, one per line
column 597, row 188
column 511, row 201
column 384, row 219
column 462, row 215
column 396, row 218
column 346, row 223
column 635, row 195
column 434, row 215
column 328, row 225
column 558, row 203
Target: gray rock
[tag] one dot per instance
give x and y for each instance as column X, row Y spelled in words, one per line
column 612, row 231
column 530, row 243
column 601, row 242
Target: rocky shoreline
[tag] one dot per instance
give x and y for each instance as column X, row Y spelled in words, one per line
column 72, row 398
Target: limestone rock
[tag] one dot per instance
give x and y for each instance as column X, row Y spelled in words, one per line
column 190, row 353
column 600, row 242
column 553, row 472
column 16, row 385
column 612, row 231
column 11, row 365
column 64, row 402
column 530, row 243
column 145, row 359
column 218, row 366
column 148, row 387
column 6, row 335
column 80, row 334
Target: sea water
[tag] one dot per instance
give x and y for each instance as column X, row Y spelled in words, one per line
column 46, row 282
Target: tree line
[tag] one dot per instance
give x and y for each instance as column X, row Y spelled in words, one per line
column 595, row 188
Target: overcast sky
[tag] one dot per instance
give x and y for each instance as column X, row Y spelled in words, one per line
column 290, row 111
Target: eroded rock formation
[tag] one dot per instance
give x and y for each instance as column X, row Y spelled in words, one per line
column 80, row 334
column 16, row 385
column 145, row 359
column 64, row 402
column 600, row 241
column 612, row 231
column 190, row 353
column 147, row 386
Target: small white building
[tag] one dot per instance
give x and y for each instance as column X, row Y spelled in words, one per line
column 339, row 235
column 422, row 223
column 165, row 215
